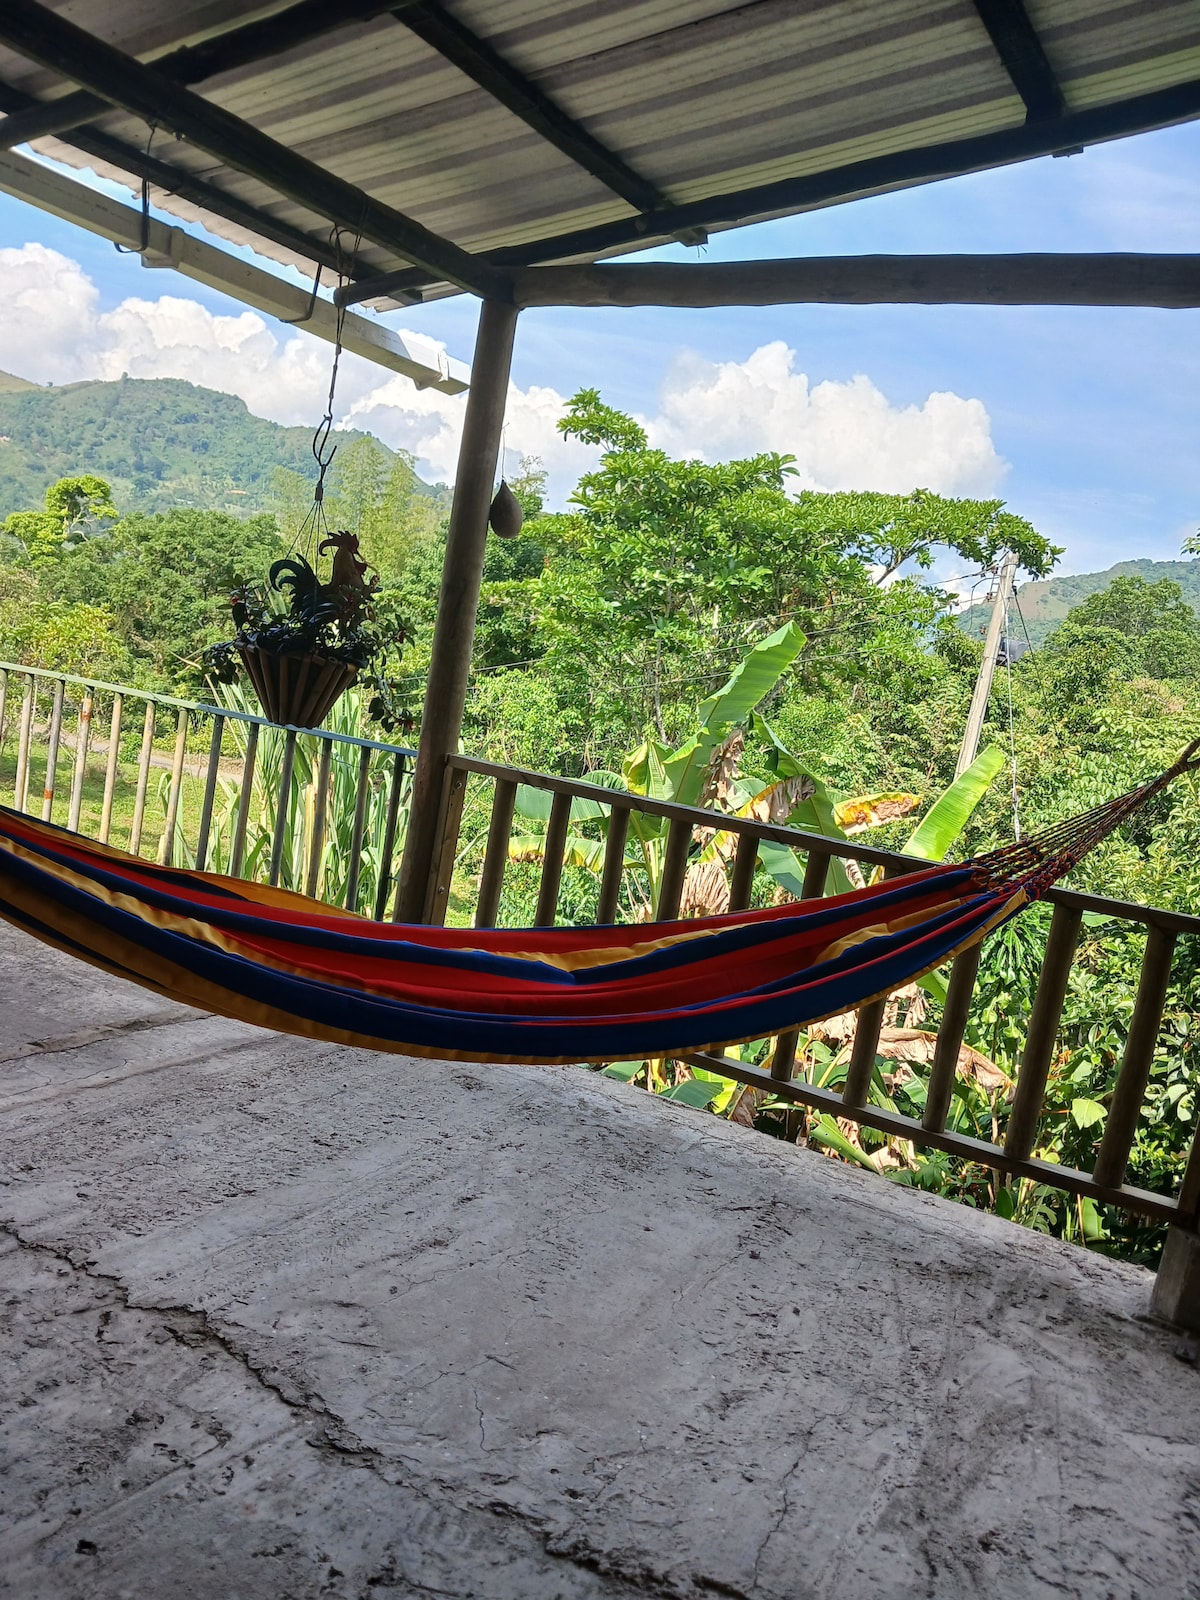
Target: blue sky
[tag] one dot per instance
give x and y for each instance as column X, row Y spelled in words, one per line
column 1093, row 412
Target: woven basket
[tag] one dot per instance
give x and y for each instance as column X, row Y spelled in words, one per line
column 296, row 690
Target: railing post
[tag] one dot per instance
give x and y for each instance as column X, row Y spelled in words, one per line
column 362, row 795
column 82, row 739
column 614, row 863
column 1126, row 1103
column 210, row 791
column 167, row 843
column 816, row 873
column 281, row 806
column 955, row 1013
column 865, row 1048
column 454, row 794
column 553, row 850
column 245, row 798
column 674, row 869
column 741, row 881
column 1043, row 1031
column 391, row 822
column 458, row 603
column 495, row 857
column 54, row 739
column 24, row 738
column 111, row 767
column 316, row 845
column 139, row 803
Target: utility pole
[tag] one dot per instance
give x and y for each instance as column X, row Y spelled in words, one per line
column 987, row 668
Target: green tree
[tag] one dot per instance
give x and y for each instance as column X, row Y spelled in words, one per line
column 75, row 509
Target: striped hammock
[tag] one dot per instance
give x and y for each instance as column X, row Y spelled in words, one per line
column 542, row 995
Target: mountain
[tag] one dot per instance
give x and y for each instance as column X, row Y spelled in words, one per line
column 1044, row 603
column 160, row 443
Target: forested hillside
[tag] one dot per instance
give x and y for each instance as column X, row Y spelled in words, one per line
column 161, row 443
column 1045, row 603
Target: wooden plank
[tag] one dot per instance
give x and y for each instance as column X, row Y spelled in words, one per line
column 1142, row 1201
column 1026, row 1109
column 82, row 741
column 495, row 856
column 1125, row 1107
column 553, row 851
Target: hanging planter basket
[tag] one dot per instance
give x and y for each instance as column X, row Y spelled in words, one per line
column 295, row 689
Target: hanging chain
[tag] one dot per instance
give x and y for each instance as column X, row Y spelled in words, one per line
column 314, row 525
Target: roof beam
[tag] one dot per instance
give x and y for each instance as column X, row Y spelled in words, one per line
column 1020, row 50
column 896, row 170
column 41, row 35
column 174, row 180
column 238, row 47
column 163, row 246
column 433, row 24
column 1172, row 281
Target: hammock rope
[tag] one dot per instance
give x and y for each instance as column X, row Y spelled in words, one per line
column 276, row 959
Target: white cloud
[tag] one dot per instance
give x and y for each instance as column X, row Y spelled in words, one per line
column 843, row 435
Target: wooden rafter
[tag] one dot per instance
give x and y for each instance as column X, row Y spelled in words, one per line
column 1020, row 50
column 433, row 24
column 43, row 36
column 875, row 175
column 236, row 47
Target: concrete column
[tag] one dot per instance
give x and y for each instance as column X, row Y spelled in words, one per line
column 458, row 601
column 1177, row 1286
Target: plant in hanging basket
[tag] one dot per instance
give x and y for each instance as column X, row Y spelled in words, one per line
column 302, row 642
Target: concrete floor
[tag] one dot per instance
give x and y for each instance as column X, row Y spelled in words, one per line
column 291, row 1320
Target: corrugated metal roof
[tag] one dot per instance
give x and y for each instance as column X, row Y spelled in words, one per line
column 702, row 99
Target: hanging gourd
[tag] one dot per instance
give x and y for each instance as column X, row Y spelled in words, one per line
column 505, row 516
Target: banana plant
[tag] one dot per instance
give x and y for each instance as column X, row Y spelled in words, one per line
column 659, row 773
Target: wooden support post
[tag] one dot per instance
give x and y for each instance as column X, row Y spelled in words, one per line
column 1126, row 1105
column 458, row 601
column 316, row 847
column 282, row 805
column 167, row 843
column 816, row 875
column 1043, row 1031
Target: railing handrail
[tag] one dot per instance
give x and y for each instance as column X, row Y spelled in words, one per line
column 228, row 712
column 777, row 833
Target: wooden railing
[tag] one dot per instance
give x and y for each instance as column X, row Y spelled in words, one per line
column 168, row 733
column 1105, row 1182
column 280, row 830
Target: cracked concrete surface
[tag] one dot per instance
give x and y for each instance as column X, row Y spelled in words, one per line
column 290, row 1320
